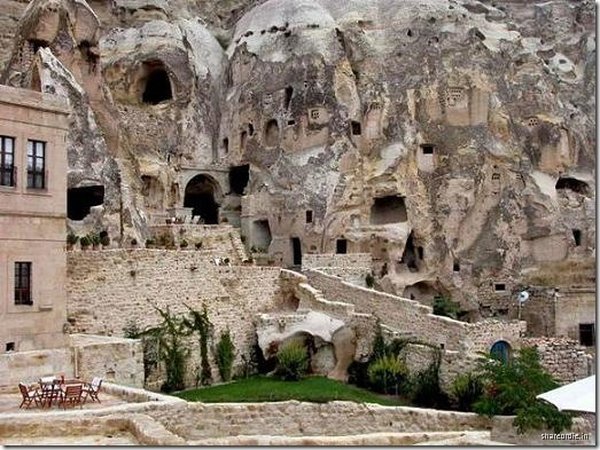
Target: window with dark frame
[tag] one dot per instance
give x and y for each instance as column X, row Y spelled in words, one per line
column 309, row 216
column 23, row 283
column 10, row 346
column 427, row 149
column 36, row 164
column 7, row 161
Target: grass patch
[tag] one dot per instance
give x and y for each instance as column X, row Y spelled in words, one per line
column 264, row 389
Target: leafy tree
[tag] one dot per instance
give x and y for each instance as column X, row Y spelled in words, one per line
column 198, row 322
column 511, row 389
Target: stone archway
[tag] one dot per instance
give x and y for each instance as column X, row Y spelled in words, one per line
column 201, row 194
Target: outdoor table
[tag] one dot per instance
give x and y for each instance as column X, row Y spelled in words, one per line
column 50, row 390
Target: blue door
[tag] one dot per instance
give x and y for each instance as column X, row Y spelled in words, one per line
column 501, row 351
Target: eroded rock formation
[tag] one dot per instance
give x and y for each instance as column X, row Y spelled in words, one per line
column 452, row 140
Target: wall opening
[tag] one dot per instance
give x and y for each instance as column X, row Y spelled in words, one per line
column 309, row 216
column 341, row 246
column 297, row 251
column 356, row 129
column 261, row 236
column 238, row 178
column 500, row 287
column 271, row 133
column 427, row 149
column 501, row 351
column 577, row 236
column 409, row 256
column 10, row 346
column 243, row 139
column 420, row 252
column 573, row 184
column 157, row 87
column 289, row 91
column 422, row 291
column 153, row 192
column 250, row 129
column 456, row 266
column 80, row 200
column 226, row 145
column 200, row 195
column 390, row 209
column 587, row 334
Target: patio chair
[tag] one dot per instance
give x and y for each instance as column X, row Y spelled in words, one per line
column 71, row 395
column 49, row 390
column 92, row 389
column 29, row 396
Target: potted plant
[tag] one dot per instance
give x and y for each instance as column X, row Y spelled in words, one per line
column 134, row 242
column 85, row 242
column 95, row 240
column 104, row 239
column 71, row 241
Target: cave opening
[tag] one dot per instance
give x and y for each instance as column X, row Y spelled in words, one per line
column 289, row 91
column 81, row 199
column 356, row 128
column 577, row 236
column 157, row 87
column 573, row 184
column 261, row 235
column 409, row 256
column 200, row 195
column 238, row 178
column 389, row 209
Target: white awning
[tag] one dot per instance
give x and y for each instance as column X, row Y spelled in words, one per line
column 577, row 396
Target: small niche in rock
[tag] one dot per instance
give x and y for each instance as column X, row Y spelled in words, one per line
column 409, row 256
column 289, row 91
column 243, row 139
column 238, row 178
column 573, row 184
column 225, row 145
column 157, row 86
column 577, row 236
column 271, row 135
column 356, row 129
column 250, row 129
column 427, row 149
column 341, row 246
column 309, row 216
column 456, row 266
column 389, row 209
column 81, row 199
column 261, row 235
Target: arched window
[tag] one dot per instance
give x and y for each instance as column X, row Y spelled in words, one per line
column 501, row 351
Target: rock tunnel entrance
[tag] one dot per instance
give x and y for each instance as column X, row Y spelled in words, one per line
column 411, row 255
column 573, row 184
column 238, row 178
column 389, row 209
column 200, row 195
column 157, row 86
column 81, row 199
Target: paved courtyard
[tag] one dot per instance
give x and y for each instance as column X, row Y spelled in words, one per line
column 9, row 403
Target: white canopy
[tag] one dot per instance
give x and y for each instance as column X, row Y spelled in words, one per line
column 577, row 396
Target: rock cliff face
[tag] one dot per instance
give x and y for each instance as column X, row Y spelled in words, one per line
column 452, row 140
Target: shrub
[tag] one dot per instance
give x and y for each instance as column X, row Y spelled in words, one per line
column 149, row 243
column 225, row 355
column 358, row 374
column 425, row 386
column 511, row 388
column 94, row 239
column 72, row 239
column 292, row 361
column 443, row 306
column 466, row 390
column 183, row 244
column 85, row 242
column 370, row 281
column 387, row 374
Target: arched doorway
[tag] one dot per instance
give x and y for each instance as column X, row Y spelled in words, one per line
column 501, row 351
column 200, row 195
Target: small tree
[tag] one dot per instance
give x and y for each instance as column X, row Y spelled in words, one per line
column 169, row 335
column 198, row 322
column 511, row 389
column 225, row 355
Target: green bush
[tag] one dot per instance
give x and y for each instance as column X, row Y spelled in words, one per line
column 387, row 374
column 85, row 242
column 72, row 239
column 466, row 390
column 225, row 355
column 511, row 389
column 443, row 306
column 292, row 361
column 425, row 387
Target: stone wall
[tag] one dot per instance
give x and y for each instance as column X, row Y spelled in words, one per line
column 291, row 418
column 116, row 360
column 108, row 290
column 574, row 306
column 351, row 267
column 565, row 359
column 413, row 320
column 30, row 366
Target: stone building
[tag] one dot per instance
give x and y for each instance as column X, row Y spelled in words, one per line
column 33, row 164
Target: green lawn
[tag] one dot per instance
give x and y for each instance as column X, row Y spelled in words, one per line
column 263, row 389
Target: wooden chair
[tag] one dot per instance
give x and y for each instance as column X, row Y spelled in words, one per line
column 29, row 396
column 50, row 390
column 71, row 395
column 91, row 390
